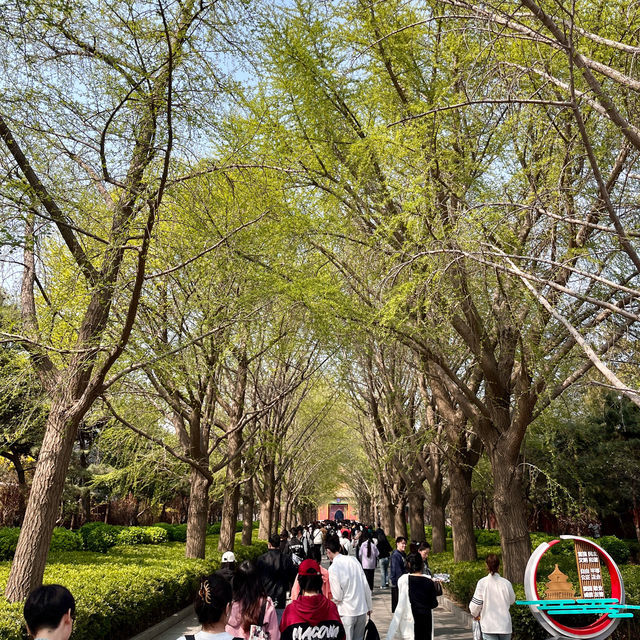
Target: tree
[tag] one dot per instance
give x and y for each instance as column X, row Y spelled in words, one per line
column 101, row 190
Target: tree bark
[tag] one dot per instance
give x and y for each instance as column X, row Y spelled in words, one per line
column 416, row 513
column 46, row 491
column 247, row 514
column 386, row 512
column 197, row 514
column 461, row 511
column 267, row 502
column 438, row 531
column 511, row 514
column 400, row 518
column 231, row 495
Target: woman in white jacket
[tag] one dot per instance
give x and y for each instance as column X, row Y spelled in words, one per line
column 491, row 601
column 412, row 619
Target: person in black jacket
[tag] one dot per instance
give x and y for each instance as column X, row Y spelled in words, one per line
column 397, row 567
column 277, row 572
column 384, row 552
column 295, row 548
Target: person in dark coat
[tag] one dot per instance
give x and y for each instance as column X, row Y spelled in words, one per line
column 397, row 567
column 227, row 566
column 277, row 572
column 384, row 553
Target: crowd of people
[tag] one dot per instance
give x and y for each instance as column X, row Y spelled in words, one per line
column 249, row 601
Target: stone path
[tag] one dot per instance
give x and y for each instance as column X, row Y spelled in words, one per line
column 450, row 621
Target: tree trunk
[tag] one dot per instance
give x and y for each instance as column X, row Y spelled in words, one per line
column 231, row 494
column 400, row 518
column 416, row 513
column 267, row 502
column 247, row 514
column 438, row 531
column 264, row 530
column 461, row 511
column 511, row 514
column 197, row 514
column 275, row 517
column 44, row 500
column 386, row 511
column 229, row 515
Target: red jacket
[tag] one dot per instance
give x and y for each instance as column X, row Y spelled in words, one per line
column 311, row 618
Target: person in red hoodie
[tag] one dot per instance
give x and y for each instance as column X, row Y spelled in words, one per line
column 311, row 616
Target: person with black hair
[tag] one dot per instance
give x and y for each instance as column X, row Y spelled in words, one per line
column 251, row 605
column 49, row 612
column 384, row 553
column 397, row 567
column 212, row 606
column 423, row 549
column 412, row 619
column 349, row 590
column 227, row 565
column 311, row 615
column 368, row 557
column 277, row 572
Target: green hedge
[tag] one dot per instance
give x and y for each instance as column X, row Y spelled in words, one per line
column 123, row 591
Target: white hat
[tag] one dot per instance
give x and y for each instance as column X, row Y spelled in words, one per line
column 228, row 556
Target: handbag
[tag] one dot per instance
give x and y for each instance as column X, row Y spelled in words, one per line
column 371, row 631
column 477, row 630
column 259, row 631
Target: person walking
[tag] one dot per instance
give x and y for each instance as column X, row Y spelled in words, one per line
column 491, row 601
column 318, row 539
column 227, row 566
column 311, row 614
column 277, row 572
column 251, row 604
column 212, row 605
column 368, row 557
column 384, row 553
column 397, row 567
column 295, row 548
column 349, row 589
column 412, row 619
column 49, row 612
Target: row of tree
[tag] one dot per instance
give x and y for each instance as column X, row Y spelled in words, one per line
column 431, row 204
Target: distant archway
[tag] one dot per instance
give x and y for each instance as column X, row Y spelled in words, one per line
column 337, row 511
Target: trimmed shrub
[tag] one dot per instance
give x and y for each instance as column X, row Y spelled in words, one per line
column 120, row 593
column 65, row 540
column 214, row 529
column 156, row 535
column 132, row 535
column 179, row 533
column 616, row 548
column 8, row 542
column 99, row 537
column 487, row 536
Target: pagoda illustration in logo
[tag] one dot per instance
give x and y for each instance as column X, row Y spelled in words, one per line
column 558, row 587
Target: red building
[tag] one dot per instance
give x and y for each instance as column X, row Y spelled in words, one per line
column 342, row 507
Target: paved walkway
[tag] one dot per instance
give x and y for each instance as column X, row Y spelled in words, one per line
column 450, row 621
